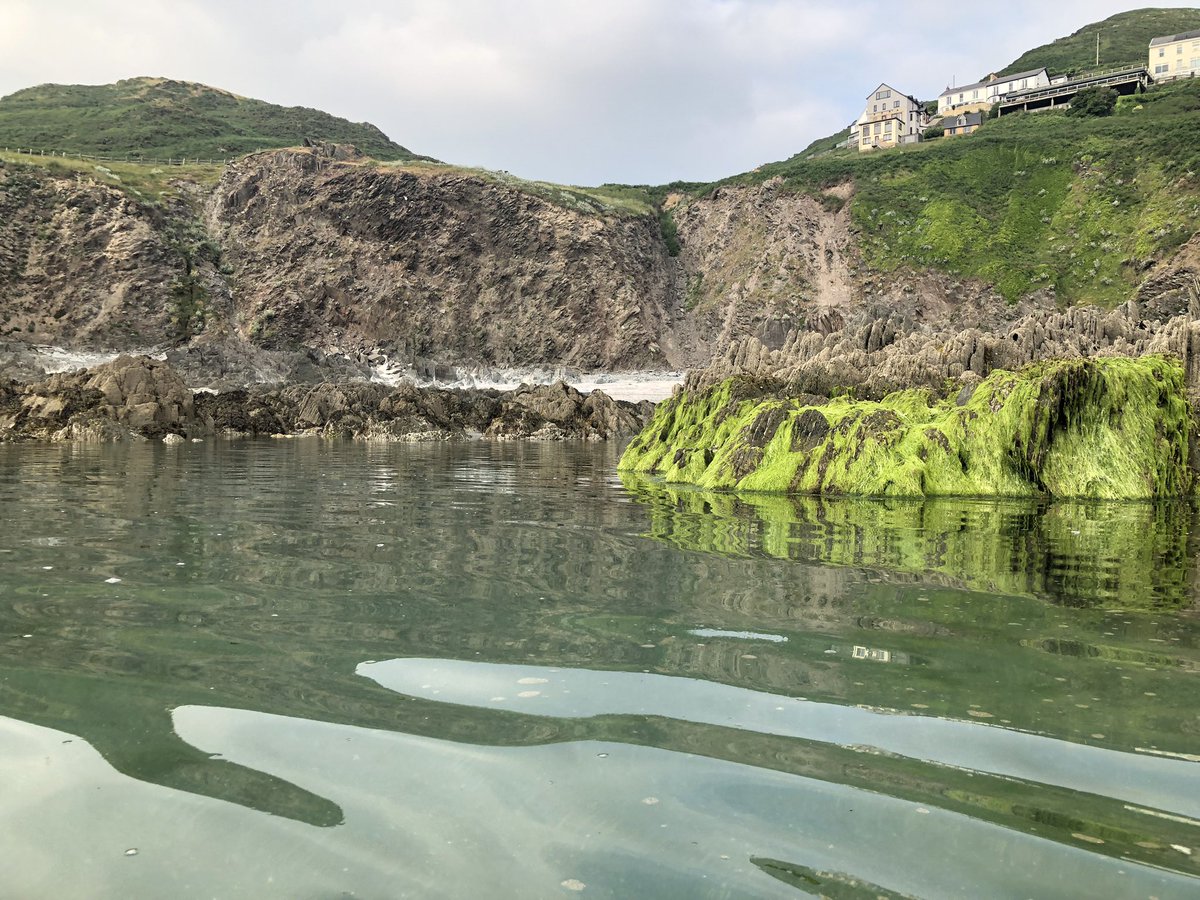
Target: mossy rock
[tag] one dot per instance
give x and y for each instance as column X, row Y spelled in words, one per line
column 1110, row 428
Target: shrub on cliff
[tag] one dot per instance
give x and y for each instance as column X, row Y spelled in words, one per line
column 1094, row 101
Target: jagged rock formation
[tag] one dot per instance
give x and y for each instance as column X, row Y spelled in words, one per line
column 81, row 264
column 136, row 397
column 876, row 355
column 1109, row 428
column 318, row 250
column 429, row 262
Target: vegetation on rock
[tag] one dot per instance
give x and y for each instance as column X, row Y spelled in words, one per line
column 1078, row 207
column 1107, row 428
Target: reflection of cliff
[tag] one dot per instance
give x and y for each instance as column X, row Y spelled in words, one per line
column 1077, row 554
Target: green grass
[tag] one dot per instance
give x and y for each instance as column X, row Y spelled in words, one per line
column 1124, row 41
column 160, row 118
column 147, row 182
column 1029, row 202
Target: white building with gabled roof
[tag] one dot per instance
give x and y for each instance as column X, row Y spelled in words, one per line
column 890, row 117
column 1175, row 56
column 982, row 94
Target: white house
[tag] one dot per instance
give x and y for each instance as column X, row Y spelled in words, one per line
column 1175, row 56
column 890, row 117
column 982, row 94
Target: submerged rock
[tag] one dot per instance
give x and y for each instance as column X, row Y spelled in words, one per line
column 1111, row 428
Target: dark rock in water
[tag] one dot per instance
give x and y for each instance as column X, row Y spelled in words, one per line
column 136, row 397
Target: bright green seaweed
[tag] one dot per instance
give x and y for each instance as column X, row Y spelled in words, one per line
column 1110, row 428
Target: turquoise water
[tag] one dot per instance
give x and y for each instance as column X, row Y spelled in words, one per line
column 313, row 669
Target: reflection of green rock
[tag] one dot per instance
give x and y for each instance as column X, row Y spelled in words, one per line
column 1079, row 554
column 1109, row 428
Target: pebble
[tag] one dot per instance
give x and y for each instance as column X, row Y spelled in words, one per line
column 113, row 580
column 132, row 851
column 574, row 884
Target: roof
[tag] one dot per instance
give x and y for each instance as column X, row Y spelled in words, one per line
column 1017, row 75
column 970, row 87
column 871, row 96
column 1172, row 38
column 966, row 120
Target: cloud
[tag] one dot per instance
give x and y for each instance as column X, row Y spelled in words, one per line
column 625, row 90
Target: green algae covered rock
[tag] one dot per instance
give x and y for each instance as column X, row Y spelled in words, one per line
column 1107, row 428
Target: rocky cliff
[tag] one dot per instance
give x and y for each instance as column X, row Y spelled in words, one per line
column 426, row 262
column 316, row 263
column 320, row 249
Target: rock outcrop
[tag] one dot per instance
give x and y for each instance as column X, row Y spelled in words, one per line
column 875, row 355
column 1108, row 428
column 436, row 262
column 133, row 398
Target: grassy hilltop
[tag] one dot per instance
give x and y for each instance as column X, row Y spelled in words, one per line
column 157, row 117
column 1124, row 41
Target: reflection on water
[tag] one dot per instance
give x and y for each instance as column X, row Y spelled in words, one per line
column 1079, row 554
column 471, row 670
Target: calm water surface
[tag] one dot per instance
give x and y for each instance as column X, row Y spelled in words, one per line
column 312, row 669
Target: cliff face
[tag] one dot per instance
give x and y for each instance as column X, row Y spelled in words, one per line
column 319, row 252
column 765, row 262
column 437, row 264
column 81, row 263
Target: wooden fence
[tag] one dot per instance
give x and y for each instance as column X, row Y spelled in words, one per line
column 128, row 157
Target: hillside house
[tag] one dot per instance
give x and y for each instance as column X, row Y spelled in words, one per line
column 982, row 94
column 961, row 123
column 890, row 117
column 1175, row 56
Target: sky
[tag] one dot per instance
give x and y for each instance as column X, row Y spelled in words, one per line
column 573, row 91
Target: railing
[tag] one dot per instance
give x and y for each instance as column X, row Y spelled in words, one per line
column 1116, row 76
column 128, row 157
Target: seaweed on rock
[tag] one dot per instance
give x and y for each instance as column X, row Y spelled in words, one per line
column 1105, row 428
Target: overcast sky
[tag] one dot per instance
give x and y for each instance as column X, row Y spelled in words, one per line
column 635, row 91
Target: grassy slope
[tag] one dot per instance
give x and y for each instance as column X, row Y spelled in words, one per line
column 1029, row 201
column 1124, row 40
column 155, row 117
column 147, row 182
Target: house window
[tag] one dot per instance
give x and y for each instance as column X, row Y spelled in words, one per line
column 896, row 104
column 1161, row 52
column 1196, row 62
column 1179, row 50
column 877, row 127
column 883, row 95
